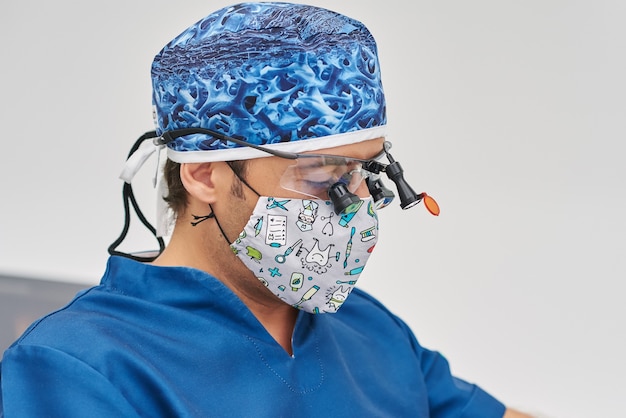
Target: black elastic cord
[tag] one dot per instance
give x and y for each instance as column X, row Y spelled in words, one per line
column 129, row 198
column 212, row 215
column 198, row 219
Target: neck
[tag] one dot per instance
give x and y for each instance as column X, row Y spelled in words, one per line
column 188, row 248
column 278, row 321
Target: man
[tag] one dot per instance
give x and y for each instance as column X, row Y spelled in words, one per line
column 273, row 116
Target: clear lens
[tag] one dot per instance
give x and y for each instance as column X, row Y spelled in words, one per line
column 313, row 176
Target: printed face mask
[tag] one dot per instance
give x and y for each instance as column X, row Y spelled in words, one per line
column 306, row 254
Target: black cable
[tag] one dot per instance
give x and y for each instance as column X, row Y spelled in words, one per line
column 129, row 198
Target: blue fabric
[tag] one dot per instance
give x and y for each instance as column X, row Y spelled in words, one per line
column 154, row 341
column 268, row 73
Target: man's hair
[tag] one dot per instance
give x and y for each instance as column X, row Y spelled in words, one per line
column 177, row 194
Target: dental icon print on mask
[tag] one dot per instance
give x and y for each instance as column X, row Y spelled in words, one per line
column 305, row 254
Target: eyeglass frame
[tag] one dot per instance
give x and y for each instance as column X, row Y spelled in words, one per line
column 372, row 166
column 408, row 197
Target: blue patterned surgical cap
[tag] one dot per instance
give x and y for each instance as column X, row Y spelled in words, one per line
column 287, row 76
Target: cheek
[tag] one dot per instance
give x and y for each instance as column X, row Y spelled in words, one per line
column 235, row 214
column 243, row 209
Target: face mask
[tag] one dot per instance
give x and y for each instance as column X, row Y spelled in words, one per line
column 306, row 254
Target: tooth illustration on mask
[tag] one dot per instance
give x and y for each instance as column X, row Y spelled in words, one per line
column 313, row 266
column 339, row 296
column 317, row 259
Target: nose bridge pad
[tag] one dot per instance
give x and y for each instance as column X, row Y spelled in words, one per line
column 357, row 183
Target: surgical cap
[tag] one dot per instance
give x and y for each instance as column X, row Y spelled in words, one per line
column 286, row 76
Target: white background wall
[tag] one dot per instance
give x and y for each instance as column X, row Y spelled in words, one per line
column 510, row 113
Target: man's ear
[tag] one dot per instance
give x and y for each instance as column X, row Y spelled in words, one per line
column 202, row 180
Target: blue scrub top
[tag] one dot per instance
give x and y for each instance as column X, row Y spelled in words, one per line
column 175, row 342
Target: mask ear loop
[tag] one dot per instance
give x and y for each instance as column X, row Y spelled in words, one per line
column 201, row 218
column 129, row 199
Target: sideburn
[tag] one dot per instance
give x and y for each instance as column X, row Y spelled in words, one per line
column 239, row 168
column 237, row 188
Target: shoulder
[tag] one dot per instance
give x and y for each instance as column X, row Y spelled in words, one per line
column 38, row 379
column 366, row 298
column 364, row 307
column 447, row 394
column 365, row 314
column 79, row 325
